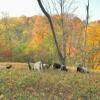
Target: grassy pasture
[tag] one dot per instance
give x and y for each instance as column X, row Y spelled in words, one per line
column 18, row 83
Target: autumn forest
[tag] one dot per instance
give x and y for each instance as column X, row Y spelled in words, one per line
column 31, row 37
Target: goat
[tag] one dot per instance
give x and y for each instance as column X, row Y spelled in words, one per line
column 46, row 66
column 59, row 66
column 82, row 70
column 38, row 65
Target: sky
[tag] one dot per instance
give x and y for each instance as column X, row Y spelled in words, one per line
column 30, row 7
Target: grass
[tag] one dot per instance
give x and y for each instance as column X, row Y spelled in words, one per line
column 22, row 84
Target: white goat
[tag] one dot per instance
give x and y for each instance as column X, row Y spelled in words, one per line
column 38, row 65
column 46, row 66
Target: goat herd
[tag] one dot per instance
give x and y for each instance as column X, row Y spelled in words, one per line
column 40, row 66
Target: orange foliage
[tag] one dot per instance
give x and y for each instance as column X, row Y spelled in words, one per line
column 71, row 50
column 37, row 39
column 40, row 27
column 93, row 41
column 93, row 36
column 77, row 24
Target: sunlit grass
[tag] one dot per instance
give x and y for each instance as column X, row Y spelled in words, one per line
column 16, row 84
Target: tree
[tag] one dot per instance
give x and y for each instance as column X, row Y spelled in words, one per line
column 85, row 35
column 62, row 3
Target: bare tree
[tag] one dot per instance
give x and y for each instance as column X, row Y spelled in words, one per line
column 85, row 35
column 61, row 12
column 53, row 30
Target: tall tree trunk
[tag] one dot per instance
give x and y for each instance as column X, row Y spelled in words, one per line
column 63, row 31
column 85, row 37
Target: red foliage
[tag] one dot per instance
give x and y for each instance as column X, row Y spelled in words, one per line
column 7, row 53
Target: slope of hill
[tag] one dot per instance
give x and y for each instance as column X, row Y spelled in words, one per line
column 32, row 36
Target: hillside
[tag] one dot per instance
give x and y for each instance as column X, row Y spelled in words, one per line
column 31, row 36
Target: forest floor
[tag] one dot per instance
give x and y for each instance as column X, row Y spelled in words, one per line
column 18, row 83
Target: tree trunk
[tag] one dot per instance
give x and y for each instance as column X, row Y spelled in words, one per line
column 29, row 66
column 85, row 37
column 28, row 62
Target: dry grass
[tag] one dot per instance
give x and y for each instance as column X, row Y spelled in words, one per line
column 15, row 65
column 19, row 83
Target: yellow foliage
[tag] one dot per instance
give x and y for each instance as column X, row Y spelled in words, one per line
column 93, row 36
column 97, row 67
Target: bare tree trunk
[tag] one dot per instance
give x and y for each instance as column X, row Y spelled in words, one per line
column 29, row 66
column 63, row 31
column 85, row 37
column 61, row 58
column 28, row 62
